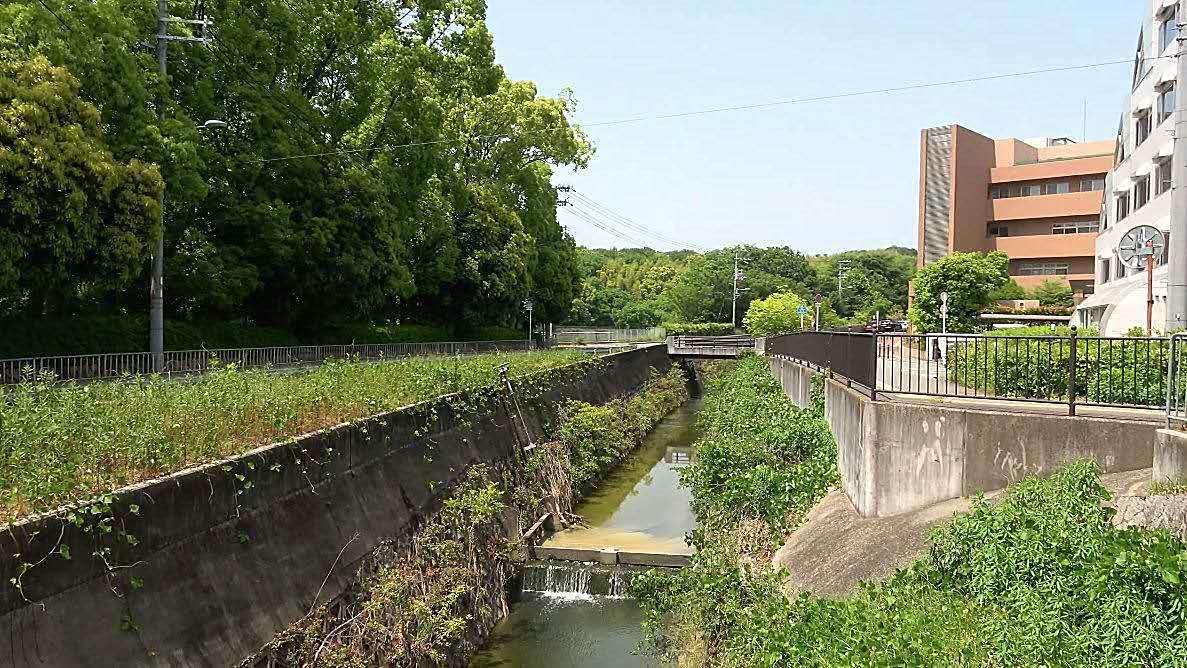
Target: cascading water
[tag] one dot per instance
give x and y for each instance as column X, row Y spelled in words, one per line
column 575, row 580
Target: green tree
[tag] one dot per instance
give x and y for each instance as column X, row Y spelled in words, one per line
column 1052, row 293
column 75, row 222
column 776, row 314
column 637, row 315
column 1009, row 291
column 969, row 279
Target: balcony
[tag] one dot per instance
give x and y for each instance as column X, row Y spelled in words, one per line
column 1045, row 206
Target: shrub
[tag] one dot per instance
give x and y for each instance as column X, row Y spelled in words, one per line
column 970, row 279
column 698, row 328
column 777, row 314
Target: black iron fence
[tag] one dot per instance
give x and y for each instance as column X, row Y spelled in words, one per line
column 850, row 354
column 115, row 365
column 1072, row 369
column 1176, row 392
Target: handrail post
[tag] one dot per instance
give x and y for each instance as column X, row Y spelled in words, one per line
column 874, row 368
column 1170, row 378
column 1071, row 375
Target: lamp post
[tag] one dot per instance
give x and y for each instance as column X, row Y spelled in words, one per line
column 529, row 306
column 156, row 289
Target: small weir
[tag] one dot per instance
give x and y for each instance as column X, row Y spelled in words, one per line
column 577, row 614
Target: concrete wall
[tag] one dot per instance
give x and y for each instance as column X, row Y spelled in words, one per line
column 1170, row 457
column 222, row 570
column 796, row 380
column 895, row 457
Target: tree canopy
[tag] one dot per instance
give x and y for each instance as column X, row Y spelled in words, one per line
column 378, row 164
column 970, row 280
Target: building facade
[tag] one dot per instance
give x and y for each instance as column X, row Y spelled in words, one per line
column 1140, row 182
column 1038, row 201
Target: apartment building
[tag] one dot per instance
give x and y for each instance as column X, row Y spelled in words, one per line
column 1038, row 201
column 1140, row 181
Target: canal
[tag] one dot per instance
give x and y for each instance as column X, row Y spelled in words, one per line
column 640, row 506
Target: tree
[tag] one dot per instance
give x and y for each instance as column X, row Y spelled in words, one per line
column 1009, row 291
column 776, row 314
column 637, row 315
column 969, row 279
column 75, row 222
column 1052, row 293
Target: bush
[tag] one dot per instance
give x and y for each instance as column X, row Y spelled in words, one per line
column 698, row 328
column 1053, row 293
column 777, row 314
column 970, row 279
column 598, row 437
column 124, row 334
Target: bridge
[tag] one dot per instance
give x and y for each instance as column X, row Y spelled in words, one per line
column 709, row 347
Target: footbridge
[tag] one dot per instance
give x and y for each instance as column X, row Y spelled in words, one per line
column 921, row 419
column 709, row 347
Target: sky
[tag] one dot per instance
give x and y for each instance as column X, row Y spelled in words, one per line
column 822, row 176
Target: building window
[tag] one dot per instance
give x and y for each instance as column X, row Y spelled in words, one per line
column 1075, row 228
column 1092, row 185
column 996, row 193
column 1105, row 266
column 1166, row 101
column 1043, row 269
column 1032, row 190
column 999, row 230
column 1141, row 131
column 1056, row 188
column 1139, row 60
column 1169, row 29
column 1122, row 206
column 1141, row 192
column 1162, row 177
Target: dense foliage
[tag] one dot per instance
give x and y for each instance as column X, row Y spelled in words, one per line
column 632, row 286
column 1014, row 363
column 65, row 442
column 970, row 280
column 777, row 314
column 378, row 165
column 697, row 328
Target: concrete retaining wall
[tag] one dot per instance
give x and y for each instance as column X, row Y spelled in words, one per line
column 796, row 380
column 1170, row 457
column 896, row 457
column 224, row 567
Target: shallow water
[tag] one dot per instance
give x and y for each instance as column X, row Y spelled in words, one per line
column 640, row 506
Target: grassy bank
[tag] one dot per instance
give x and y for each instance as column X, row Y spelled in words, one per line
column 65, row 442
column 1038, row 578
column 761, row 464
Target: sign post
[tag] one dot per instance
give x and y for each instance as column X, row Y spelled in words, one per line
column 819, row 298
column 801, row 311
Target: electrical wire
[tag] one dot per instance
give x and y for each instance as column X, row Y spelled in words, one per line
column 56, row 15
column 741, row 107
column 586, row 217
column 630, row 224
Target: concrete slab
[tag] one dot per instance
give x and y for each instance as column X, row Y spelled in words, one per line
column 1170, row 457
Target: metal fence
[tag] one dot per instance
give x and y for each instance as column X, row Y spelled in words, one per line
column 1176, row 387
column 607, row 335
column 1072, row 370
column 850, row 354
column 115, row 365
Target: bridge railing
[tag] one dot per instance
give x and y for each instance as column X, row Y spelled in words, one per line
column 116, row 365
column 1176, row 387
column 1061, row 369
column 608, row 335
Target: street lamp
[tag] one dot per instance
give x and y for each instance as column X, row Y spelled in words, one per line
column 156, row 288
column 529, row 306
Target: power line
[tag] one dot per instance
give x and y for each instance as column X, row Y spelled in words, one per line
column 741, row 107
column 631, row 224
column 56, row 15
column 601, row 225
column 597, row 217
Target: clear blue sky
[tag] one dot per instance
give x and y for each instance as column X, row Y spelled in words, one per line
column 820, row 177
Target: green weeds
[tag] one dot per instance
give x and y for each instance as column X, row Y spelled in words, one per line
column 62, row 442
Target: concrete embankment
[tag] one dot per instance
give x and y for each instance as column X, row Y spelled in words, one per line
column 203, row 567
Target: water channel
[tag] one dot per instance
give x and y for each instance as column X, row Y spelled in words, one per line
column 640, row 506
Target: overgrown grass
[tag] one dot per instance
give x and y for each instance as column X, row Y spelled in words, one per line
column 65, row 442
column 761, row 464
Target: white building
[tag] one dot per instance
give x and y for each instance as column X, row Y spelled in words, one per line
column 1138, row 189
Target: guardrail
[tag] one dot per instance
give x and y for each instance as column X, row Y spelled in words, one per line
column 1176, row 387
column 115, row 365
column 1072, row 370
column 607, row 335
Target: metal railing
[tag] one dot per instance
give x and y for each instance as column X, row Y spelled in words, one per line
column 1176, row 387
column 849, row 354
column 607, row 335
column 1072, row 370
column 115, row 365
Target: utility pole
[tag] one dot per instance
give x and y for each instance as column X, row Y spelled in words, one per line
column 1176, row 304
column 738, row 276
column 842, row 267
column 156, row 288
